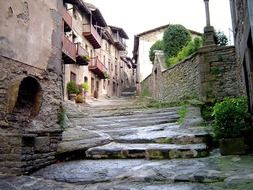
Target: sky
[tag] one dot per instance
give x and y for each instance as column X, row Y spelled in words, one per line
column 137, row 16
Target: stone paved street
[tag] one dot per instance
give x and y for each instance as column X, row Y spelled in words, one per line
column 120, row 145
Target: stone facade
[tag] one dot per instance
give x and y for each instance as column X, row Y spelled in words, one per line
column 103, row 45
column 30, row 84
column 208, row 75
column 242, row 21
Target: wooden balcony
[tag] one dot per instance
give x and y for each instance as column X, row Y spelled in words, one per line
column 91, row 34
column 68, row 50
column 120, row 44
column 82, row 55
column 67, row 20
column 97, row 67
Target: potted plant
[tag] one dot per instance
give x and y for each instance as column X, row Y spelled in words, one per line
column 86, row 58
column 79, row 98
column 229, row 122
column 85, row 86
column 72, row 90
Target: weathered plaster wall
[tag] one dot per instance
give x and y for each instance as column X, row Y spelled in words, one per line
column 28, row 29
column 209, row 75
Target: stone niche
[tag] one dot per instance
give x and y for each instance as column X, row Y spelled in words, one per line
column 24, row 100
column 29, row 104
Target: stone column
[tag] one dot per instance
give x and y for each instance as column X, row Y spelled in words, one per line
column 208, row 30
column 207, row 12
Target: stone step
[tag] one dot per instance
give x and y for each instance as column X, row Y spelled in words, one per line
column 132, row 119
column 149, row 151
column 115, row 125
column 165, row 137
column 111, row 111
column 126, row 94
column 131, row 111
column 136, row 116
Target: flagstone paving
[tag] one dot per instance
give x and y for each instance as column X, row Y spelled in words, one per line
column 121, row 145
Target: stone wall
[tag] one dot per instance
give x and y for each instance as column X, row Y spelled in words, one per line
column 219, row 73
column 24, row 153
column 242, row 12
column 209, row 75
column 181, row 81
column 30, row 84
column 26, row 146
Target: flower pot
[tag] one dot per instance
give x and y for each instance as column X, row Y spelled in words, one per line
column 79, row 99
column 72, row 97
column 232, row 146
column 248, row 136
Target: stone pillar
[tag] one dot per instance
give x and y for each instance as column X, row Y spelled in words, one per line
column 208, row 30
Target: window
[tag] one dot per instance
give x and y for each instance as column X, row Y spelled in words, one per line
column 85, row 79
column 104, row 84
column 75, row 12
column 73, row 77
column 91, row 53
column 116, row 73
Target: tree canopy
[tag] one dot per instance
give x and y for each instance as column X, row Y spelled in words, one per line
column 175, row 38
column 158, row 45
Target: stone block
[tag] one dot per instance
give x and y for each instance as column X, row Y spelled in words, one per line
column 42, row 144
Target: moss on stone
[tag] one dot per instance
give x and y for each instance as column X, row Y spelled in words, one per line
column 165, row 141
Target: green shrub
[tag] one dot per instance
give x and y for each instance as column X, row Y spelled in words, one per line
column 61, row 117
column 207, row 111
column 85, row 86
column 186, row 51
column 145, row 93
column 220, row 38
column 182, row 113
column 229, row 117
column 175, row 38
column 72, row 88
column 158, row 45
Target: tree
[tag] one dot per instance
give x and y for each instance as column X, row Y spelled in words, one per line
column 158, row 45
column 220, row 38
column 175, row 38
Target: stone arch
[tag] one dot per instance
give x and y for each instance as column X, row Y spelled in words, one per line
column 24, row 98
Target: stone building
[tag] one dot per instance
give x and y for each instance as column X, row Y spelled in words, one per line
column 91, row 49
column 30, row 83
column 142, row 45
column 242, row 21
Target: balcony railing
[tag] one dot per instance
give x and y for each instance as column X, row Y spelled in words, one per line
column 119, row 43
column 91, row 34
column 69, row 50
column 82, row 55
column 97, row 67
column 67, row 19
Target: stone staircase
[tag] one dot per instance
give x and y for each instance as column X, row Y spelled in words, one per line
column 131, row 91
column 149, row 134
